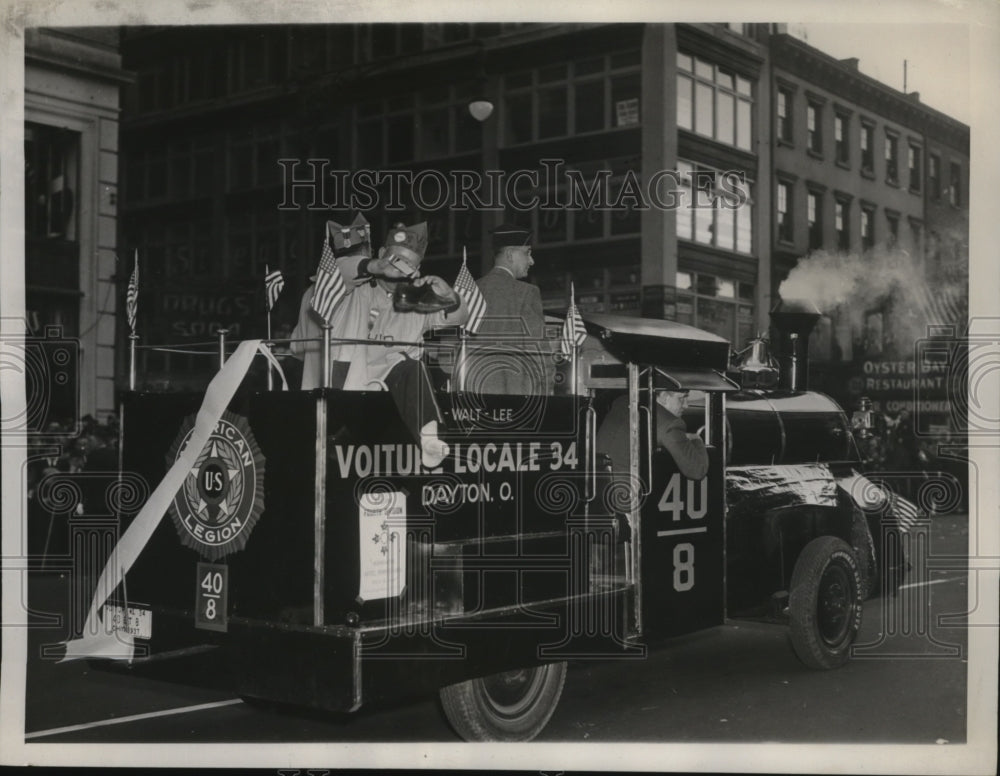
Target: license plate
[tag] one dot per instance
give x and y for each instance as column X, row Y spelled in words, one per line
column 136, row 622
column 211, row 597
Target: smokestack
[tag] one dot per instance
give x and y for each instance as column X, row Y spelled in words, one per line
column 794, row 320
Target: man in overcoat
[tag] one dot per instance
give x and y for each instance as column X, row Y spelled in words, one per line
column 510, row 355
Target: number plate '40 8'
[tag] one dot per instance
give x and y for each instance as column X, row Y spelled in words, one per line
column 211, row 596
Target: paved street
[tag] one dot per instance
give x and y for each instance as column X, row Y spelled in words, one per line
column 740, row 682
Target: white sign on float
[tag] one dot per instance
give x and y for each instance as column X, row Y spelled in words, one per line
column 382, row 540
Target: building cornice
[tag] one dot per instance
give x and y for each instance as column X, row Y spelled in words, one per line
column 845, row 81
column 741, row 55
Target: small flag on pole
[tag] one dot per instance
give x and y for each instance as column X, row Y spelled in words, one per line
column 573, row 331
column 474, row 299
column 132, row 295
column 330, row 287
column 273, row 283
column 905, row 511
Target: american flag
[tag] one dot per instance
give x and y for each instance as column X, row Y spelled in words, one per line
column 132, row 295
column 273, row 283
column 573, row 330
column 904, row 510
column 474, row 299
column 330, row 287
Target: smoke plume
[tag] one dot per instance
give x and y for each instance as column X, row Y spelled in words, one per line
column 905, row 295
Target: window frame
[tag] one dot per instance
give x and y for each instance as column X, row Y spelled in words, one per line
column 784, row 226
column 867, row 147
column 891, row 156
column 955, row 184
column 842, row 146
column 934, row 176
column 688, row 216
column 842, row 201
column 717, row 90
column 814, row 216
column 914, row 162
column 785, row 123
column 814, row 133
column 866, row 227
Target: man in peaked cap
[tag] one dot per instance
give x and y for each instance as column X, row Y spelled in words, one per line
column 353, row 240
column 514, row 358
column 369, row 313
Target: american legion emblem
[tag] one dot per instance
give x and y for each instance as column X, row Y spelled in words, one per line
column 223, row 494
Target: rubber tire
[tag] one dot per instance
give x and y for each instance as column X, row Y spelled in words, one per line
column 826, row 579
column 478, row 716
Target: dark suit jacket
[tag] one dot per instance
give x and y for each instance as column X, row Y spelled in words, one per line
column 614, row 437
column 509, row 355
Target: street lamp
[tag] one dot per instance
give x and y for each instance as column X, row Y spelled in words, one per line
column 481, row 109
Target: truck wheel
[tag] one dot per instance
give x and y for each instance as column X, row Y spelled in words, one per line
column 509, row 706
column 824, row 603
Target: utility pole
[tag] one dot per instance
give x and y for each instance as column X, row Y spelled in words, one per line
column 904, row 76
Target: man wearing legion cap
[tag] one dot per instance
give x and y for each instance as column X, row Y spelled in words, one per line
column 390, row 302
column 513, row 358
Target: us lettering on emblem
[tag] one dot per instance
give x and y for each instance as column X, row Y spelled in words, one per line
column 211, row 596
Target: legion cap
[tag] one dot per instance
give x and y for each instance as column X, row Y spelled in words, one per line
column 510, row 235
column 407, row 242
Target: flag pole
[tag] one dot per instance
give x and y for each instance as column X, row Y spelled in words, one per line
column 572, row 349
column 462, row 340
column 267, row 306
column 327, row 377
column 132, row 337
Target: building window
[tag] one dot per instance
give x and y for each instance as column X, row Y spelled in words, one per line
column 841, row 216
column 840, row 123
column 814, row 127
column 867, row 226
column 591, row 95
column 784, row 115
column 913, row 160
column 892, row 222
column 615, row 289
column 51, row 182
column 891, row 158
column 955, row 185
column 867, row 148
column 708, row 214
column 722, row 306
column 785, row 233
column 934, row 176
column 714, row 102
column 814, row 216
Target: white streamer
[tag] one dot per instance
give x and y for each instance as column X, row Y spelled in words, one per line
column 97, row 640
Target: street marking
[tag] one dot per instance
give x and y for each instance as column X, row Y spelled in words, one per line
column 930, row 582
column 132, row 718
column 678, row 531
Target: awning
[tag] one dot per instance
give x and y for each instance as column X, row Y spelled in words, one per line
column 666, row 344
column 696, row 380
